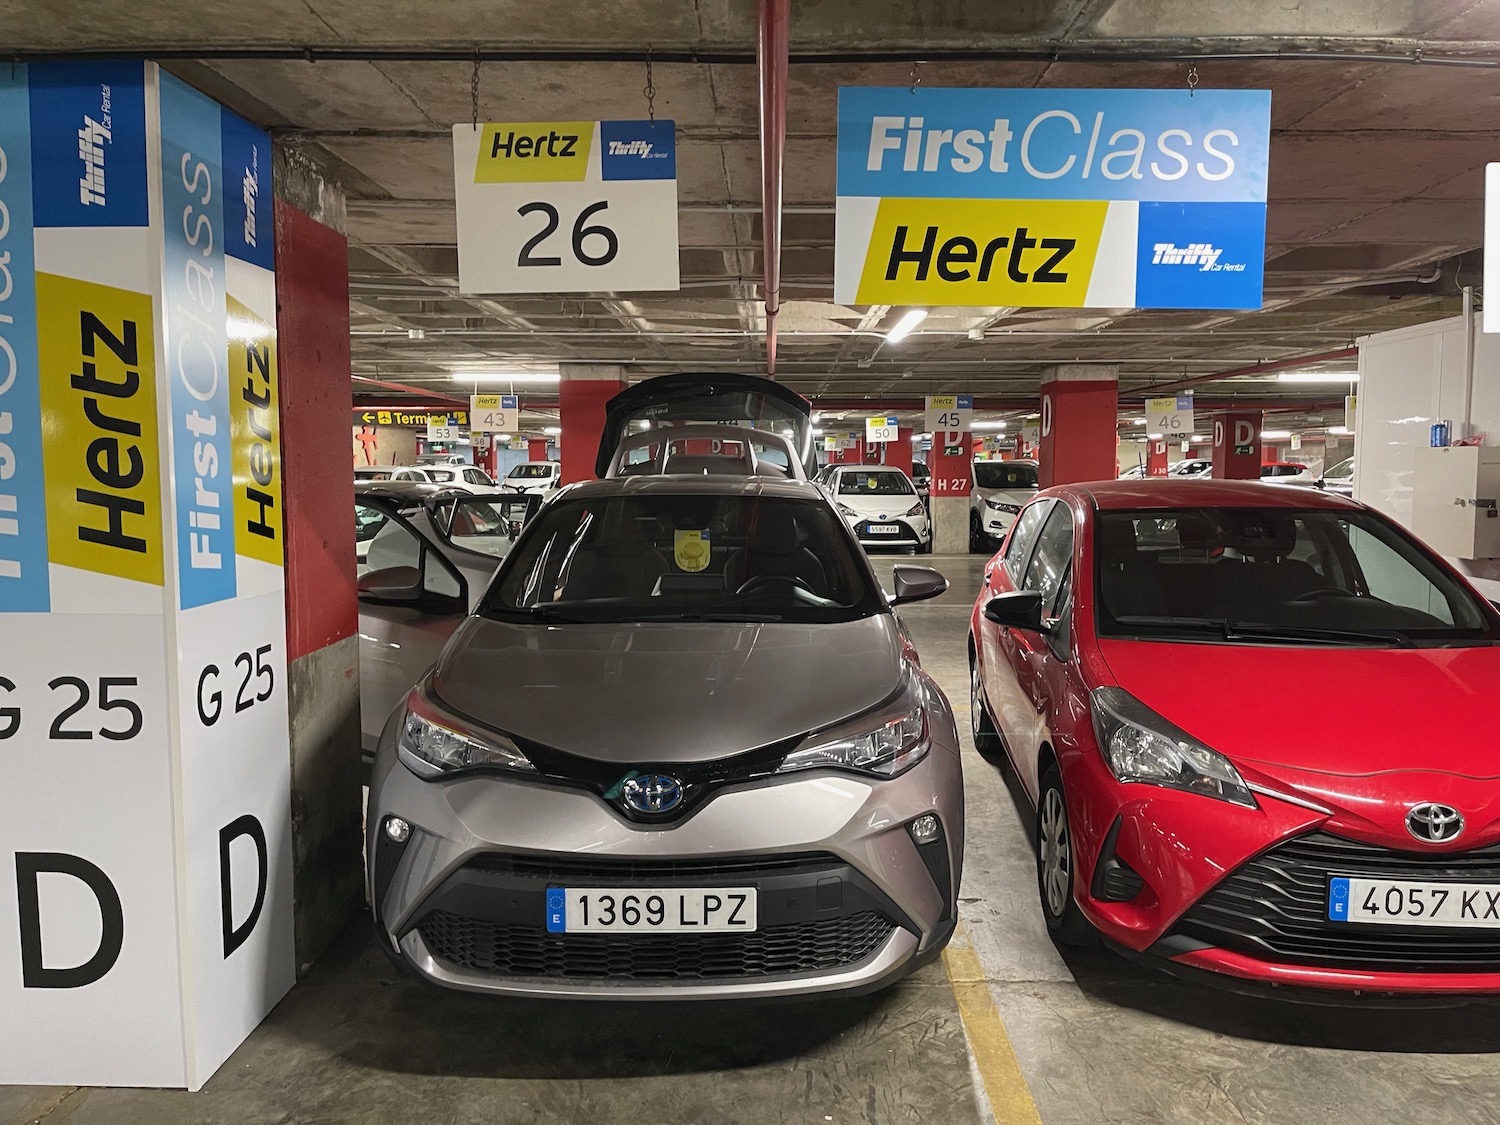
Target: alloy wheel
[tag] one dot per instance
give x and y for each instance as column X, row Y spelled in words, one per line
column 1056, row 852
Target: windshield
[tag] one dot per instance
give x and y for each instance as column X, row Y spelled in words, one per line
column 683, row 557
column 1245, row 574
column 533, row 470
column 361, row 473
column 486, row 524
column 441, row 474
column 1004, row 474
column 889, row 483
column 1344, row 468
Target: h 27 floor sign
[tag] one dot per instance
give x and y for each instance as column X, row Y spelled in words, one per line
column 1054, row 198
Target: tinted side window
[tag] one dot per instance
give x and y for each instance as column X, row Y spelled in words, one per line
column 1019, row 547
column 1054, row 550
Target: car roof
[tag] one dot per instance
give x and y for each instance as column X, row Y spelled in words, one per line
column 1118, row 495
column 694, row 486
column 872, row 469
column 405, row 489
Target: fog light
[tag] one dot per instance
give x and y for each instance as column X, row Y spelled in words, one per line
column 925, row 828
column 397, row 829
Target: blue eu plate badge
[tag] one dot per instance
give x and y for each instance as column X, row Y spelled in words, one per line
column 557, row 910
column 1338, row 900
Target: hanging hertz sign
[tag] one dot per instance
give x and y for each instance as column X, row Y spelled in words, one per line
column 1053, row 198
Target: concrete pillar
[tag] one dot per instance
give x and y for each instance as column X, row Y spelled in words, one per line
column 1079, row 405
column 322, row 615
column 584, row 390
column 898, row 452
column 1237, row 445
column 1156, row 457
column 952, row 478
column 536, row 449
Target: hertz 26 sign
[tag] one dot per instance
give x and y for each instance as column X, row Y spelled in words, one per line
column 1071, row 198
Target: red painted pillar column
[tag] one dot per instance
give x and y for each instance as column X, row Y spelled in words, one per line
column 1156, row 457
column 898, row 452
column 1237, row 445
column 583, row 393
column 1079, row 406
column 951, row 462
column 322, row 615
column 536, row 449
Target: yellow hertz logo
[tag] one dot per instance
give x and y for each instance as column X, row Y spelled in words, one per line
column 255, row 438
column 534, row 152
column 982, row 252
column 99, row 436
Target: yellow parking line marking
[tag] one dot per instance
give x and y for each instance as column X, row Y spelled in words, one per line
column 1004, row 1084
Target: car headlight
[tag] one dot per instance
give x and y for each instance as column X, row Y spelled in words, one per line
column 916, row 510
column 848, row 511
column 1002, row 506
column 1140, row 745
column 887, row 743
column 431, row 744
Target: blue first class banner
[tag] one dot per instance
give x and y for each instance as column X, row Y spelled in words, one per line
column 24, row 583
column 1168, row 145
column 196, row 350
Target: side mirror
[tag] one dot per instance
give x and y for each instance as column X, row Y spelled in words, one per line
column 917, row 583
column 1021, row 609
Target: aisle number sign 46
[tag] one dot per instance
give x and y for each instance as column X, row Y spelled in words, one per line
column 1171, row 416
column 566, row 206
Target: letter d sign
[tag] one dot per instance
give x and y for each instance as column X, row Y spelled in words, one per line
column 1218, row 433
column 1244, row 432
column 1046, row 416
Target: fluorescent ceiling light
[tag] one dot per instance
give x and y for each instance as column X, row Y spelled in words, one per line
column 1197, row 437
column 1155, row 437
column 552, row 430
column 1138, row 421
column 1318, row 377
column 1339, row 430
column 505, row 377
column 817, row 431
column 987, row 425
column 1275, row 435
column 903, row 327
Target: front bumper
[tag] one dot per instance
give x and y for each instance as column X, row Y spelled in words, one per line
column 848, row 900
column 913, row 531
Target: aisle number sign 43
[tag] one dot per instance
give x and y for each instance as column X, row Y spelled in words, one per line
column 566, row 206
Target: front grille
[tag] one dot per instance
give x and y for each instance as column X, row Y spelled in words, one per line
column 568, row 870
column 523, row 951
column 1276, row 907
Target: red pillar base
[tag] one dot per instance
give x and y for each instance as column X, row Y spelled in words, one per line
column 582, row 404
column 536, row 449
column 1156, row 458
column 1079, row 440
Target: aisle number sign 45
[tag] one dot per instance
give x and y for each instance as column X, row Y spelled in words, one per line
column 950, row 413
column 566, row 206
column 1171, row 416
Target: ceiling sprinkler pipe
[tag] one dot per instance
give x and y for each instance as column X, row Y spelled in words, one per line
column 772, row 48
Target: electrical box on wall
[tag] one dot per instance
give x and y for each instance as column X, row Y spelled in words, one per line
column 1456, row 500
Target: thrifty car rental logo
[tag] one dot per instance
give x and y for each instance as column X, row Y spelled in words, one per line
column 1199, row 254
column 91, row 141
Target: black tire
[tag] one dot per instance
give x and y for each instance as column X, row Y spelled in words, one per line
column 925, row 548
column 1055, row 866
column 978, row 543
column 986, row 738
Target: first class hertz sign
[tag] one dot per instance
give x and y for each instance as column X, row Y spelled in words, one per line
column 1061, row 198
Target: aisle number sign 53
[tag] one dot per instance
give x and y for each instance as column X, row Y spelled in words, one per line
column 566, row 206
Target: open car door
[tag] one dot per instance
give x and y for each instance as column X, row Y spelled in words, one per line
column 707, row 422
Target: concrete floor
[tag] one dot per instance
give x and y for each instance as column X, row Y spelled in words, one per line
column 1099, row 1041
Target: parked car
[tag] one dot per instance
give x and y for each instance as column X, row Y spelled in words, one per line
column 1340, row 478
column 1128, row 652
column 921, row 476
column 881, row 506
column 1135, row 472
column 442, row 459
column 455, row 539
column 682, row 750
column 1190, row 467
column 533, row 476
column 1001, row 489
column 1287, row 472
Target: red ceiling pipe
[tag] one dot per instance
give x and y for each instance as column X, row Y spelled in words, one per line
column 771, row 49
column 1253, row 369
column 409, row 389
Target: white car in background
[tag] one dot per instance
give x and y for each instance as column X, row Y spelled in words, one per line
column 1192, row 467
column 533, row 476
column 880, row 504
column 1287, row 472
column 466, row 478
column 1001, row 489
column 1340, row 478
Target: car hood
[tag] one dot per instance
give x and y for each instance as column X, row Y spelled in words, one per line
column 665, row 693
column 867, row 505
column 1019, row 496
column 1334, row 713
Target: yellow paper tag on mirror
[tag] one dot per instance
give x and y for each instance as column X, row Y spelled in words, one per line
column 691, row 550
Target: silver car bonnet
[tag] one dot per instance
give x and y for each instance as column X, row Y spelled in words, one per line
column 662, row 693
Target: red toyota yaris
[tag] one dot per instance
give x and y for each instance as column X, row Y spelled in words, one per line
column 1259, row 727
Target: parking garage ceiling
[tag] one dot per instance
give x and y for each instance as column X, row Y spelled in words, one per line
column 1384, row 114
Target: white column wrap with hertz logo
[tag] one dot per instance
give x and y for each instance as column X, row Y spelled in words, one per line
column 145, row 852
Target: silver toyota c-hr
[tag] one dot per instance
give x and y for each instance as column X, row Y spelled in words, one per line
column 683, row 748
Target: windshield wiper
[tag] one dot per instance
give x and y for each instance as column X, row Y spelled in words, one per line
column 732, row 618
column 1232, row 630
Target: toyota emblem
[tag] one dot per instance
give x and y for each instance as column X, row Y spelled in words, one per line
column 1433, row 823
column 652, row 793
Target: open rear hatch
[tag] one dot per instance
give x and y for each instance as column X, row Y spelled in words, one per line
column 705, row 422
